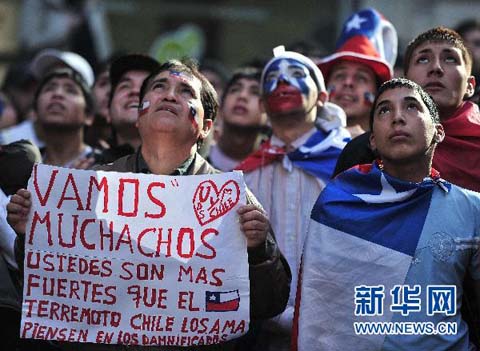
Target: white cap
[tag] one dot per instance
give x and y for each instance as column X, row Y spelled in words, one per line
column 49, row 58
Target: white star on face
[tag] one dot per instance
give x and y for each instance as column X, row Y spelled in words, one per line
column 212, row 297
column 388, row 194
column 355, row 22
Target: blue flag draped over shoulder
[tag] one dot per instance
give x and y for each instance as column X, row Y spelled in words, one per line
column 317, row 157
column 364, row 230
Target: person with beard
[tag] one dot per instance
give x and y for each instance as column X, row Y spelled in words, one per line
column 242, row 120
column 291, row 168
column 64, row 106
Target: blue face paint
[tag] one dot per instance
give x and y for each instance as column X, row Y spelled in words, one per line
column 289, row 71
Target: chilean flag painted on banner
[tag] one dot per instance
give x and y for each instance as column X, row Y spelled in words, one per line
column 222, row 301
column 364, row 230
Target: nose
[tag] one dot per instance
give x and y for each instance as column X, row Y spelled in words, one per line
column 58, row 92
column 243, row 94
column 348, row 81
column 436, row 67
column 135, row 90
column 398, row 117
column 169, row 94
column 283, row 78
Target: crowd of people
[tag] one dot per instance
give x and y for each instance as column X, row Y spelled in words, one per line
column 355, row 178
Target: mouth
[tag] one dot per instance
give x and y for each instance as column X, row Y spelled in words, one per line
column 399, row 136
column 132, row 105
column 434, row 86
column 284, row 90
column 55, row 107
column 239, row 110
column 346, row 98
column 167, row 108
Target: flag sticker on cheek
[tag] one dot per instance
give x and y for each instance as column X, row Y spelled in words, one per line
column 193, row 115
column 144, row 108
column 331, row 91
column 369, row 98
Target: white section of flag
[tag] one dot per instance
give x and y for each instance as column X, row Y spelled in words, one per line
column 334, row 263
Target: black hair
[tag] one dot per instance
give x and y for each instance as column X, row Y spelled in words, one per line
column 251, row 73
column 406, row 83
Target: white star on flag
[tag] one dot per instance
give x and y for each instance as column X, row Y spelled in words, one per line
column 388, row 194
column 355, row 22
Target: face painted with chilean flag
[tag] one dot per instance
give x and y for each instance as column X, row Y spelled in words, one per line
column 288, row 85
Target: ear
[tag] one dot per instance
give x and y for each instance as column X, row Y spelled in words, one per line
column 439, row 133
column 373, row 146
column 322, row 98
column 207, row 126
column 261, row 103
column 471, row 83
column 89, row 118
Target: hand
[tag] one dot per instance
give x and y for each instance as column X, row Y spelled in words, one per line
column 18, row 209
column 254, row 224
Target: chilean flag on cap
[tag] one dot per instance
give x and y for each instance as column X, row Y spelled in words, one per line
column 368, row 38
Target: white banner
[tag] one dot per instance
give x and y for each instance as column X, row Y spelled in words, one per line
column 123, row 258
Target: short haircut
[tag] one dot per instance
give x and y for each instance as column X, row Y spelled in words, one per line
column 208, row 95
column 438, row 35
column 77, row 78
column 406, row 83
column 251, row 73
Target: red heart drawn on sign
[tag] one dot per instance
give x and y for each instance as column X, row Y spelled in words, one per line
column 209, row 203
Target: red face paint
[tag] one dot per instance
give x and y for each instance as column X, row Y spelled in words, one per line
column 284, row 98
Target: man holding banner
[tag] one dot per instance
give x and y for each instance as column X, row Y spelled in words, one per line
column 389, row 243
column 177, row 109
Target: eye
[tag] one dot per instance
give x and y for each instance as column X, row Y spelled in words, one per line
column 71, row 89
column 158, row 85
column 338, row 76
column 422, row 59
column 382, row 110
column 271, row 76
column 298, row 73
column 255, row 91
column 362, row 78
column 48, row 87
column 234, row 89
column 187, row 91
column 412, row 106
column 451, row 59
column 123, row 85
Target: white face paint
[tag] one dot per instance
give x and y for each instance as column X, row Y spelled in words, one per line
column 290, row 71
